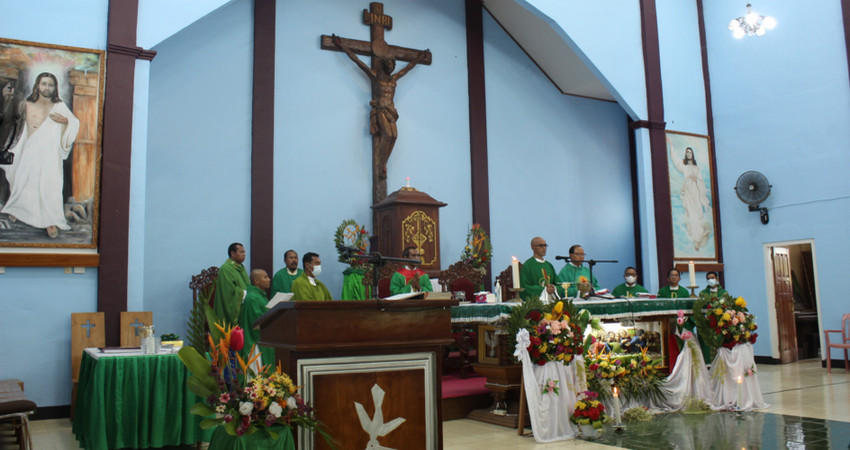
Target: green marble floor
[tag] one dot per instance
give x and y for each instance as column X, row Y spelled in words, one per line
column 728, row 430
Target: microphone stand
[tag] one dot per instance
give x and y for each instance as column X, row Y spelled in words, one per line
column 378, row 261
column 592, row 263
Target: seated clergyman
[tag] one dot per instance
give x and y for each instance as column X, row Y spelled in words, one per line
column 714, row 288
column 252, row 309
column 306, row 286
column 538, row 274
column 410, row 278
column 673, row 290
column 630, row 288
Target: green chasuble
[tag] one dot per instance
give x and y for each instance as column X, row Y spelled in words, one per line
column 531, row 278
column 352, row 285
column 302, row 289
column 626, row 291
column 665, row 292
column 229, row 286
column 252, row 309
column 282, row 281
column 720, row 292
column 572, row 274
column 400, row 282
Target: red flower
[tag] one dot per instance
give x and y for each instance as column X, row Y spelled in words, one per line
column 541, row 362
column 237, row 338
column 533, row 315
column 593, row 366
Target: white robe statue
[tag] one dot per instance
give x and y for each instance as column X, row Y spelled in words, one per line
column 36, row 175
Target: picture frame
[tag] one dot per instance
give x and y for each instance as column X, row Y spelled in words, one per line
column 691, row 175
column 488, row 344
column 52, row 103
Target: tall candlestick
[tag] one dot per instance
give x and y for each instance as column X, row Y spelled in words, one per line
column 616, row 406
column 740, row 401
column 692, row 274
column 515, row 271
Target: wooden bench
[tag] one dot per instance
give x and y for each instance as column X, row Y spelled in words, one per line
column 14, row 409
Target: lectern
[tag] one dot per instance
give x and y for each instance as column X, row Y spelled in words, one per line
column 363, row 364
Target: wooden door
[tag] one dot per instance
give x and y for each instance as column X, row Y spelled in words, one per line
column 784, row 303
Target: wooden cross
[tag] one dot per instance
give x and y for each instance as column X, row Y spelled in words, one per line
column 136, row 326
column 383, row 116
column 88, row 326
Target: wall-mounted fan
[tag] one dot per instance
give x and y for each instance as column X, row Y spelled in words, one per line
column 752, row 188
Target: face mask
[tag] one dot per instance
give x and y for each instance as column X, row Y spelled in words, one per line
column 631, row 280
column 712, row 282
column 317, row 270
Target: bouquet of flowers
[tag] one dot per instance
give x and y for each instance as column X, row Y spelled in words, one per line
column 350, row 239
column 724, row 321
column 637, row 375
column 478, row 249
column 235, row 397
column 589, row 410
column 555, row 335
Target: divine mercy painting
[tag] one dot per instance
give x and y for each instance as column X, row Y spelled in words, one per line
column 689, row 167
column 50, row 122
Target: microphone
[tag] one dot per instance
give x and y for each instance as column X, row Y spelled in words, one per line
column 563, row 258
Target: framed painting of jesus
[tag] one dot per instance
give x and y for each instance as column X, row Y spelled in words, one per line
column 692, row 203
column 50, row 131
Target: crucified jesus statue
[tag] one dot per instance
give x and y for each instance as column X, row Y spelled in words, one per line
column 383, row 116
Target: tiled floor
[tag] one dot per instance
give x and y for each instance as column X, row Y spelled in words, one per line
column 799, row 389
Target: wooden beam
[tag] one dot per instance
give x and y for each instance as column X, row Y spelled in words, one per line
column 364, row 48
column 49, row 259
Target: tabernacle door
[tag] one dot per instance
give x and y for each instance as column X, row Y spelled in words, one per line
column 371, row 368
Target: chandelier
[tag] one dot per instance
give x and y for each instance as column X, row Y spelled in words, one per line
column 752, row 24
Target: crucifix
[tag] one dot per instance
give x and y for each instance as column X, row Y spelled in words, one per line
column 383, row 116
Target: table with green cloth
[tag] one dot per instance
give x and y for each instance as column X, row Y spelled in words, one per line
column 602, row 308
column 259, row 440
column 129, row 400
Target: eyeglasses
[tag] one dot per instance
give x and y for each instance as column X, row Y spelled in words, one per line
column 579, row 254
column 541, row 245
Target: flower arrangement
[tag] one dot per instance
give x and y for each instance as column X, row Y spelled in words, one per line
column 637, row 375
column 589, row 410
column 478, row 249
column 236, row 397
column 555, row 336
column 724, row 321
column 350, row 239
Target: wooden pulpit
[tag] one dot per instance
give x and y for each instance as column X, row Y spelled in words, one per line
column 409, row 218
column 381, row 355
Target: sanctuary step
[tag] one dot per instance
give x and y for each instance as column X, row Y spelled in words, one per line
column 463, row 395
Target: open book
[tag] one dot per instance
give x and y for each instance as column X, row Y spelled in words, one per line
column 279, row 297
column 411, row 295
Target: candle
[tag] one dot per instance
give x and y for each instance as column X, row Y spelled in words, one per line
column 408, row 181
column 515, row 271
column 616, row 406
column 692, row 274
column 740, row 401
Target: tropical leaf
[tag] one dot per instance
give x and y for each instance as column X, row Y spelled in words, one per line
column 202, row 409
column 208, row 423
column 197, row 364
column 199, row 387
column 212, row 320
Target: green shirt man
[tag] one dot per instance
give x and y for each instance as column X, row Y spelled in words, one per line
column 230, row 285
column 252, row 309
column 714, row 289
column 538, row 274
column 283, row 279
column 410, row 278
column 630, row 288
column 575, row 270
column 306, row 286
column 673, row 290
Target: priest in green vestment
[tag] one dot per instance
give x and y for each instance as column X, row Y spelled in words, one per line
column 231, row 285
column 673, row 290
column 306, row 286
column 283, row 279
column 410, row 278
column 714, row 288
column 252, row 309
column 537, row 274
column 575, row 271
column 630, row 288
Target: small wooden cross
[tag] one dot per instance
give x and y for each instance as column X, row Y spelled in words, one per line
column 136, row 326
column 88, row 326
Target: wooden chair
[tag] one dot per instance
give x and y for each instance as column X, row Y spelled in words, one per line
column 506, row 281
column 203, row 287
column 87, row 330
column 461, row 276
column 385, row 276
column 15, row 409
column 130, row 323
column 844, row 344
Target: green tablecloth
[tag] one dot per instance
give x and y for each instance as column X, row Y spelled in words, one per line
column 603, row 309
column 256, row 441
column 134, row 402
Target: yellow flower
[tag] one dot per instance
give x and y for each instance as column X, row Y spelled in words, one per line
column 580, row 405
column 741, row 302
column 752, row 326
column 718, row 312
column 558, row 308
column 727, row 317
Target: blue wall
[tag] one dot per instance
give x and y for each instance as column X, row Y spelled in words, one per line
column 780, row 106
column 37, row 302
